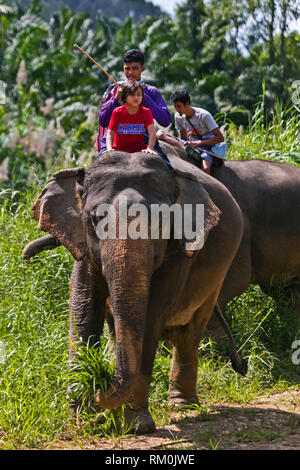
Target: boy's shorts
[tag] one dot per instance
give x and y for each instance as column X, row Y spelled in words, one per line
column 200, row 151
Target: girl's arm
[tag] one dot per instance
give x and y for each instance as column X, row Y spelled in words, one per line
column 110, row 139
column 152, row 138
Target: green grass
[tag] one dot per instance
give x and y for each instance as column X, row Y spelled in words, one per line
column 277, row 140
column 34, row 372
column 33, row 327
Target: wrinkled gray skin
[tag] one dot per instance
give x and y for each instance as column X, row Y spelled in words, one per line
column 268, row 194
column 157, row 288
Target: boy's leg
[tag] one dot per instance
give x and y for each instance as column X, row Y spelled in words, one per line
column 169, row 139
column 207, row 161
column 200, row 155
column 206, row 166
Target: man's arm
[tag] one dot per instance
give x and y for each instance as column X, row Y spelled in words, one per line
column 109, row 103
column 183, row 134
column 153, row 100
column 208, row 142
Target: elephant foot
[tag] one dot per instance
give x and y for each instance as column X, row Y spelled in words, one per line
column 139, row 421
column 178, row 398
column 132, row 422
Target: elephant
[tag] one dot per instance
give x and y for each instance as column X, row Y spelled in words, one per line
column 162, row 287
column 268, row 194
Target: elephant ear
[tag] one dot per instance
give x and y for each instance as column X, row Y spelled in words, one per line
column 199, row 211
column 59, row 210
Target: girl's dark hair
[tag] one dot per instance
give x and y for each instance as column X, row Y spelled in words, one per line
column 180, row 95
column 130, row 89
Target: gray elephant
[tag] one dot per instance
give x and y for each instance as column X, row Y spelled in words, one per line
column 268, row 194
column 165, row 287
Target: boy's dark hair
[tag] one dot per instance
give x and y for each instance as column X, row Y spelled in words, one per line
column 129, row 89
column 180, row 95
column 134, row 55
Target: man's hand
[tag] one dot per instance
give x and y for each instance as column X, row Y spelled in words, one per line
column 194, row 143
column 118, row 93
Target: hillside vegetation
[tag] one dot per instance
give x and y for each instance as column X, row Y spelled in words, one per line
column 119, row 9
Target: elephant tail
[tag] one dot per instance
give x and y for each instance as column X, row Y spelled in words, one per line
column 239, row 364
column 48, row 242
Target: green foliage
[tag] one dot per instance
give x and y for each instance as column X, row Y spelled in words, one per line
column 92, row 370
column 33, row 328
column 53, row 92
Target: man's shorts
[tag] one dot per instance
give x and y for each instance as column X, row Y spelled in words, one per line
column 200, row 151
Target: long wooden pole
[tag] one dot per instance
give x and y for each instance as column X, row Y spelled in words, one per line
column 96, row 63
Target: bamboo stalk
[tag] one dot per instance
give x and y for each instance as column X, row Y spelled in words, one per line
column 96, row 63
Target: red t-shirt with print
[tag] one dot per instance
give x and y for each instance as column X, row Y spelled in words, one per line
column 130, row 128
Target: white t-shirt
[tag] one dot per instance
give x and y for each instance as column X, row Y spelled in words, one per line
column 202, row 121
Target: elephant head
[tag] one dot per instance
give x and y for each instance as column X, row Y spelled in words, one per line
column 68, row 209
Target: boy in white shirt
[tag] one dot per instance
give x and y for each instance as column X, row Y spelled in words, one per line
column 197, row 129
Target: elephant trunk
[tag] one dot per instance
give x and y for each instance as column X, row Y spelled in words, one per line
column 127, row 266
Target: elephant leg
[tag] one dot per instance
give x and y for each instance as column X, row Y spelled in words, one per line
column 186, row 339
column 109, row 318
column 137, row 412
column 237, row 281
column 87, row 305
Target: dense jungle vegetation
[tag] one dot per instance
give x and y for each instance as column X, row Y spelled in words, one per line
column 229, row 55
column 241, row 61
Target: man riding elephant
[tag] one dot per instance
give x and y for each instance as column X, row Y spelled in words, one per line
column 199, row 135
column 133, row 67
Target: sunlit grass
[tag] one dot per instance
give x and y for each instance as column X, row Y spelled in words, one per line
column 278, row 139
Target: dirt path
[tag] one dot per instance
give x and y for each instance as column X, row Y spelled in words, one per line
column 272, row 422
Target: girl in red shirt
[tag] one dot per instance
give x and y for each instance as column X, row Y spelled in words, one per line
column 129, row 122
